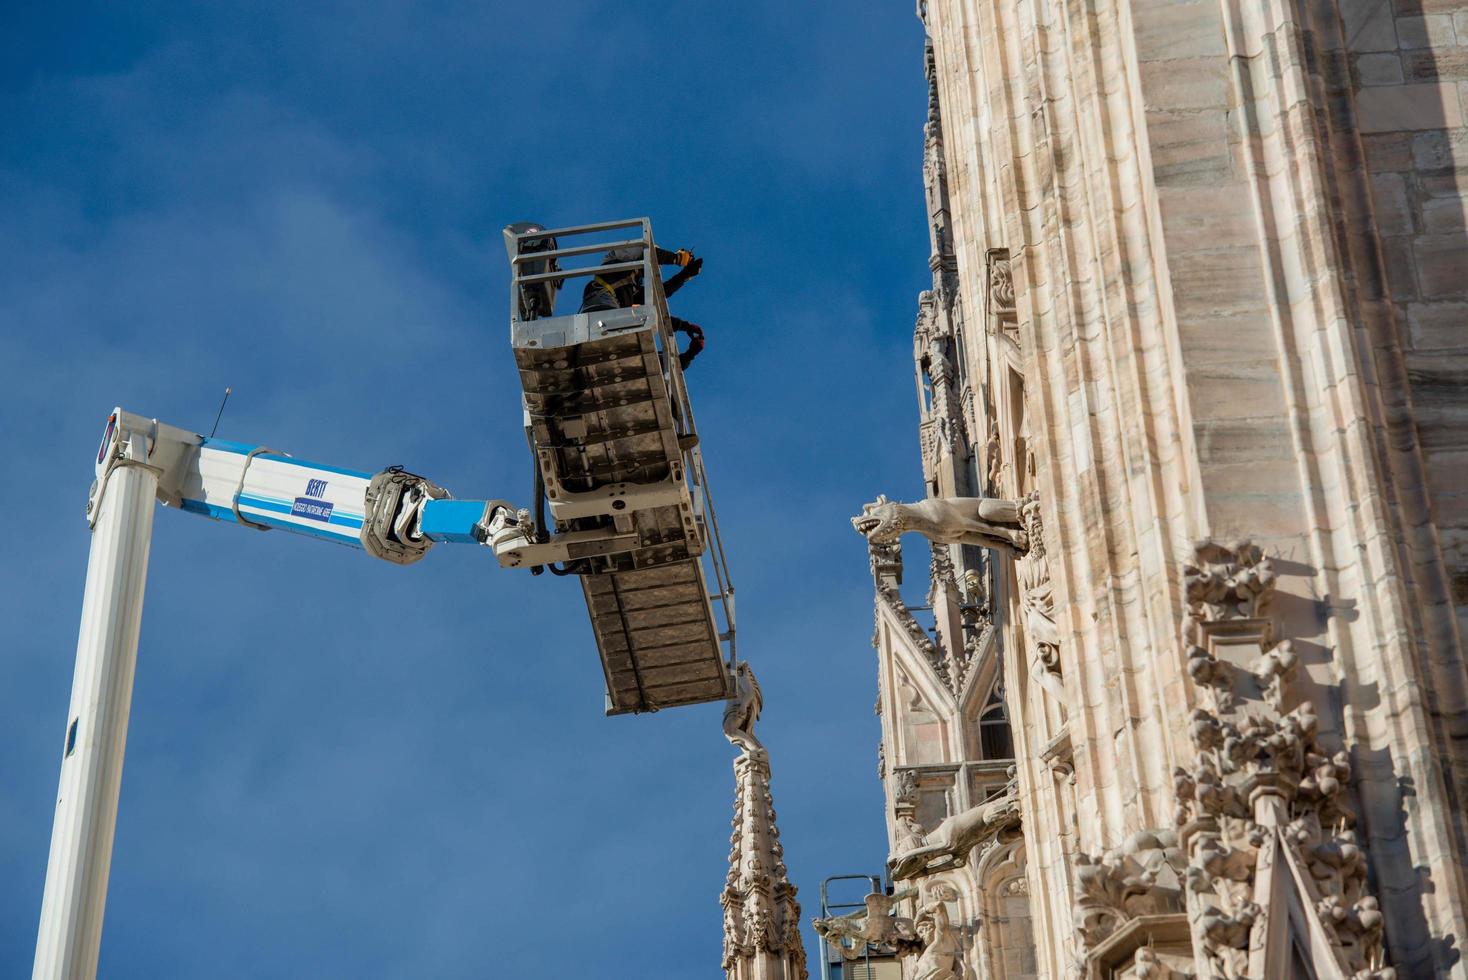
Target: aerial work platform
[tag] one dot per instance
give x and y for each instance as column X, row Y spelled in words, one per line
column 609, row 422
column 617, row 465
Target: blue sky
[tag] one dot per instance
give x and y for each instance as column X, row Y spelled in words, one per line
column 338, row 767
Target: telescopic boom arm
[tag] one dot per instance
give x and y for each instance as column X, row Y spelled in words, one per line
column 393, row 515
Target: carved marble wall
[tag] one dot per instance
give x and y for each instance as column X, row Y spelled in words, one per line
column 1189, row 316
column 946, row 760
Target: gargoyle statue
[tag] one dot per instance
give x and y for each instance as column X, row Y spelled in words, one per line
column 949, row 843
column 983, row 521
column 876, row 925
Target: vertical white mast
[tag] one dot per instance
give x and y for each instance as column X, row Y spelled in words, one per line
column 101, row 697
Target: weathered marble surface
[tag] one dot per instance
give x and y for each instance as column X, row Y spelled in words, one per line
column 1198, row 277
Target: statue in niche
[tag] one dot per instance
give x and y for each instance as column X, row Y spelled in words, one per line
column 943, row 949
column 1037, row 603
column 1037, row 597
column 939, row 367
column 984, row 522
column 992, row 453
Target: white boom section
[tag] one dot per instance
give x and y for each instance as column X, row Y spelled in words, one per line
column 257, row 486
column 101, row 697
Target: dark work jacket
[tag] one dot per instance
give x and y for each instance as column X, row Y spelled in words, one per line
column 621, row 290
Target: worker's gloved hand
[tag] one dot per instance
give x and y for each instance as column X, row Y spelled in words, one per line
column 693, row 268
column 695, row 332
column 683, row 257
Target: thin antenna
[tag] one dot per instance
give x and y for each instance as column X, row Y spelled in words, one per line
column 221, row 413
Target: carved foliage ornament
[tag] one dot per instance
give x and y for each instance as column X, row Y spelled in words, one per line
column 930, row 70
column 1141, row 877
column 1263, row 810
column 905, row 790
column 1224, row 583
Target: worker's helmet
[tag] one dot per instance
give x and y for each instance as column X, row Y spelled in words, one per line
column 536, row 299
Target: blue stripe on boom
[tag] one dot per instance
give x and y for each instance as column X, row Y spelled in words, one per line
column 224, row 445
column 227, row 514
column 207, row 510
column 278, row 506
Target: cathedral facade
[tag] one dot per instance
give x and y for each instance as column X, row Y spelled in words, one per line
column 1187, row 694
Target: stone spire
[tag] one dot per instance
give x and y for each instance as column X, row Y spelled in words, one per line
column 761, row 916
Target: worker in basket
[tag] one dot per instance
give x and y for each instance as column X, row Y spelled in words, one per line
column 623, row 290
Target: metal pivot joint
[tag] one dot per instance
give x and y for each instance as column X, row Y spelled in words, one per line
column 392, row 528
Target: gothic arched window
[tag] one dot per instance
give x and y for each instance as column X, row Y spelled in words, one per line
column 995, row 740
